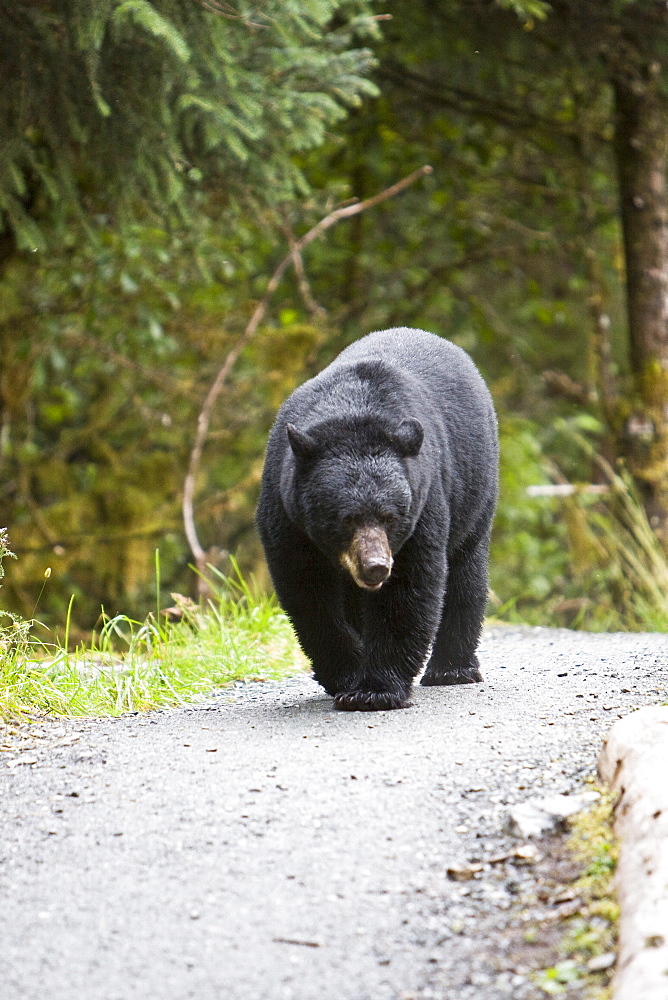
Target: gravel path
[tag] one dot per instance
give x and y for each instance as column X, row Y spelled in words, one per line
column 262, row 846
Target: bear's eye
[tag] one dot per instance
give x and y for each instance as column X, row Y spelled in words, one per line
column 388, row 517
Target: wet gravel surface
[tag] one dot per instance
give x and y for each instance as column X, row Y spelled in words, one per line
column 262, row 846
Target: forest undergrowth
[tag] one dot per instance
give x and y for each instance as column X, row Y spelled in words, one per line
column 584, row 560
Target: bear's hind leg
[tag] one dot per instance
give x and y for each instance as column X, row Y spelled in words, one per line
column 453, row 658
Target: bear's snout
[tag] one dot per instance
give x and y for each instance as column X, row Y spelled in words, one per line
column 368, row 558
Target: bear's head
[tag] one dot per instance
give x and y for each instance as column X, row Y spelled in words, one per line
column 352, row 493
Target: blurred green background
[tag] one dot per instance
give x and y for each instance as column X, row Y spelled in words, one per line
column 156, row 160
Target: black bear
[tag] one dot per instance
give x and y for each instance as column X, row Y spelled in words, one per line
column 377, row 498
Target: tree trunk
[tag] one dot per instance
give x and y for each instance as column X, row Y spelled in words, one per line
column 642, row 160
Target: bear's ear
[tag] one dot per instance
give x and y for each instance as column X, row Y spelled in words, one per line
column 408, row 437
column 303, row 446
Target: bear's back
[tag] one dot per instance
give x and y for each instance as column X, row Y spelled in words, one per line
column 390, row 369
column 442, row 372
column 418, row 352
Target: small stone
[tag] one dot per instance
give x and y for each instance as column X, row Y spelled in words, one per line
column 601, row 962
column 527, row 854
column 565, row 896
column 17, row 761
column 538, row 817
column 462, row 873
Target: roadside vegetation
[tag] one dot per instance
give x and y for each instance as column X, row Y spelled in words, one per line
column 584, row 962
column 584, row 560
column 130, row 666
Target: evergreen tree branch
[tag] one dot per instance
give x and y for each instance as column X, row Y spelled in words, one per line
column 228, row 11
column 204, row 419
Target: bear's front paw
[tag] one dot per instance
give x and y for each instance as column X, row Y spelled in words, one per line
column 469, row 674
column 370, row 701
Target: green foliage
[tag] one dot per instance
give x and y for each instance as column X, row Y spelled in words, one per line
column 159, row 149
column 553, row 981
column 526, row 10
column 14, row 631
column 491, row 250
column 581, row 561
column 529, row 558
column 134, row 666
column 119, row 106
column 109, row 348
column 150, row 145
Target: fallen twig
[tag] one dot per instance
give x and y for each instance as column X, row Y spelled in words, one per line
column 305, row 944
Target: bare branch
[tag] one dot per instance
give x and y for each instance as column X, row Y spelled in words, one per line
column 204, row 419
column 315, row 309
column 560, row 384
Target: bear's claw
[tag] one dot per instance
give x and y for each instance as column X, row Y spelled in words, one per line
column 462, row 675
column 369, row 701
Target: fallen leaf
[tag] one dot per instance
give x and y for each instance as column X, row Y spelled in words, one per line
column 462, row 873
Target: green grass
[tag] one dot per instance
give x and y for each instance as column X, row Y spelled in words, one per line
column 135, row 666
column 592, row 931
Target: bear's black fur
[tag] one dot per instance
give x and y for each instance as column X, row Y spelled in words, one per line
column 378, row 493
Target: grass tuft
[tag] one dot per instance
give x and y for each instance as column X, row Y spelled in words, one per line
column 134, row 666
